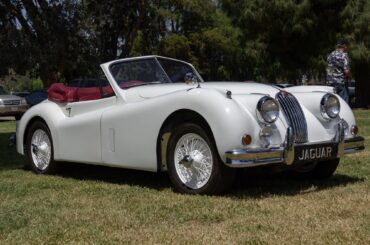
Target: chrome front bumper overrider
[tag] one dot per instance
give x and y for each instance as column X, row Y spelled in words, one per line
column 285, row 154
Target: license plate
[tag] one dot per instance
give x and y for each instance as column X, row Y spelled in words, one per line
column 14, row 108
column 315, row 152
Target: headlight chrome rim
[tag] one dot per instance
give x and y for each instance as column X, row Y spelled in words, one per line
column 264, row 106
column 329, row 106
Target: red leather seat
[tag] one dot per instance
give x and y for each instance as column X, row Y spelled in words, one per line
column 60, row 93
column 107, row 90
column 92, row 93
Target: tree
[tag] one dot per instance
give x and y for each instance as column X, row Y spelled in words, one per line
column 199, row 32
column 356, row 24
column 282, row 39
column 46, row 32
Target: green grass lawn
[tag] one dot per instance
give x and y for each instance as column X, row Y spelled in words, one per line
column 91, row 204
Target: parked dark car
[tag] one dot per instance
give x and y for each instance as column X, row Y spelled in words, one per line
column 36, row 96
column 21, row 94
column 87, row 83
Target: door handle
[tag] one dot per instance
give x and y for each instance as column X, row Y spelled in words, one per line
column 69, row 111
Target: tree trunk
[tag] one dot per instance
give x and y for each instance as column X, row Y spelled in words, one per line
column 49, row 77
column 362, row 77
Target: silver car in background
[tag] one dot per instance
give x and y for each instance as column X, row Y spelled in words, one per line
column 11, row 105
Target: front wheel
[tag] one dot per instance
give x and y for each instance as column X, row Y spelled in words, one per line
column 39, row 149
column 193, row 163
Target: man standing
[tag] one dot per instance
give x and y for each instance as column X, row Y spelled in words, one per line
column 338, row 69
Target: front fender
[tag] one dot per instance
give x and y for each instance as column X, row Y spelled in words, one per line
column 318, row 127
column 229, row 118
column 50, row 113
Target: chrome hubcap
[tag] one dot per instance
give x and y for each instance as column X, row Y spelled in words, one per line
column 193, row 160
column 40, row 149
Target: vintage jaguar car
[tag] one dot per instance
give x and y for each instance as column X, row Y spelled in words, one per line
column 157, row 114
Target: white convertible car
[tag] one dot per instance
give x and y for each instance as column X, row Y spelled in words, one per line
column 156, row 114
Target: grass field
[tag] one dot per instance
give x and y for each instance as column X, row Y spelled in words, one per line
column 90, row 204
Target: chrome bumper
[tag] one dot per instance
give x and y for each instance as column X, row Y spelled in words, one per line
column 241, row 158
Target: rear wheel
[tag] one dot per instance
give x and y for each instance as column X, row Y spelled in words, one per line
column 193, row 163
column 39, row 149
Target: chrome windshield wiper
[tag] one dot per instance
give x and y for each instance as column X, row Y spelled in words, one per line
column 141, row 84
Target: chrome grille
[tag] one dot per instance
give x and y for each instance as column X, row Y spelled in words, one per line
column 11, row 102
column 294, row 115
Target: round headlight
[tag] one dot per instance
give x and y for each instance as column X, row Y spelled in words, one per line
column 268, row 109
column 330, row 106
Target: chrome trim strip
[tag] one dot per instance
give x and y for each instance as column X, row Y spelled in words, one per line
column 254, row 157
column 339, row 138
column 164, row 143
column 289, row 147
column 354, row 145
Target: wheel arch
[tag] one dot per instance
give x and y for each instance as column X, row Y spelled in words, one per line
column 174, row 119
column 29, row 124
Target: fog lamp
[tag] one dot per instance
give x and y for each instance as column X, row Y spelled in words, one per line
column 265, row 136
column 345, row 127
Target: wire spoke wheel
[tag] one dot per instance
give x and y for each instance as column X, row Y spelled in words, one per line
column 197, row 170
column 41, row 149
column 39, row 144
column 194, row 166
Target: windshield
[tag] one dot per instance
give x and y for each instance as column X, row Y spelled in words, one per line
column 3, row 91
column 151, row 71
column 178, row 71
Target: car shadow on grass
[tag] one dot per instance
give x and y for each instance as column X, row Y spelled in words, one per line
column 112, row 175
column 9, row 158
column 255, row 183
column 264, row 181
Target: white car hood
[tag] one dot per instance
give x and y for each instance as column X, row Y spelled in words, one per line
column 155, row 90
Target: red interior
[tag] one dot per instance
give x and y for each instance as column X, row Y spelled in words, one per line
column 107, row 90
column 58, row 92
column 131, row 83
column 92, row 93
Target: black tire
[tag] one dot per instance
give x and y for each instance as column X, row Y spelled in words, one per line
column 51, row 165
column 325, row 169
column 321, row 170
column 221, row 177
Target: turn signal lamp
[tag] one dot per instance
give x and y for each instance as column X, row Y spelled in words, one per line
column 247, row 139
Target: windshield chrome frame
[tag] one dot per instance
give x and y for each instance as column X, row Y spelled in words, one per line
column 120, row 93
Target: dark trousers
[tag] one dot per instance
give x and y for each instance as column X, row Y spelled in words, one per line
column 342, row 90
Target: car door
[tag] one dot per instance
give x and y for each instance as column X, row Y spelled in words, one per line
column 80, row 135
